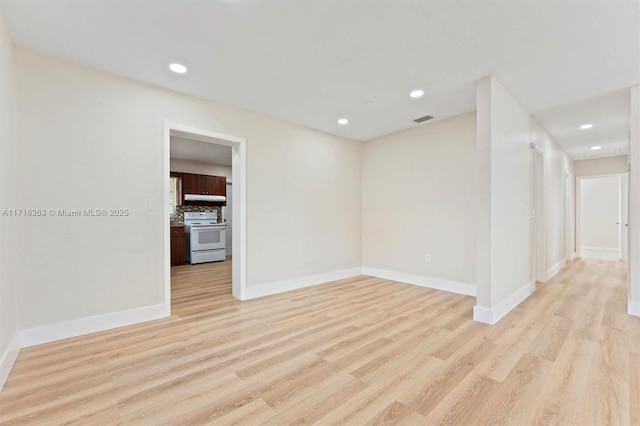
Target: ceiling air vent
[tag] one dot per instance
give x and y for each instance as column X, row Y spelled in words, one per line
column 425, row 118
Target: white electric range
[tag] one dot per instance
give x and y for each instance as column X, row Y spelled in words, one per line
column 205, row 237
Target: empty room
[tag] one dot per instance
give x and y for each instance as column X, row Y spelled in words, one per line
column 321, row 212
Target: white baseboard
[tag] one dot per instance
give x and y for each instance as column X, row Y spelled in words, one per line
column 554, row 270
column 495, row 314
column 302, row 282
column 604, row 253
column 422, row 281
column 574, row 256
column 633, row 308
column 81, row 326
column 484, row 315
column 8, row 358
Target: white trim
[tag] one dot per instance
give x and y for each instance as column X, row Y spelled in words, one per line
column 633, row 247
column 483, row 315
column 602, row 175
column 604, row 253
column 554, row 270
column 302, row 282
column 574, row 256
column 495, row 314
column 9, row 358
column 239, row 193
column 568, row 213
column 422, row 281
column 539, row 219
column 79, row 327
column 166, row 229
column 536, row 148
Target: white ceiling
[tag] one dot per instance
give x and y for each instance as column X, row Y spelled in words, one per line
column 609, row 115
column 310, row 62
column 202, row 152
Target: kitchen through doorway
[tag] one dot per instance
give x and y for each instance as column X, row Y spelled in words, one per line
column 204, row 174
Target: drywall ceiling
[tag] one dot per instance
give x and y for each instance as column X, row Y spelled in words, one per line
column 609, row 115
column 202, row 152
column 310, row 62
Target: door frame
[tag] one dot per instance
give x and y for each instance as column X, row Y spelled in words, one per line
column 239, row 172
column 538, row 216
column 622, row 178
column 229, row 186
column 568, row 215
column 624, row 217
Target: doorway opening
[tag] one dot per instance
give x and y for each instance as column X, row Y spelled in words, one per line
column 601, row 217
column 238, row 196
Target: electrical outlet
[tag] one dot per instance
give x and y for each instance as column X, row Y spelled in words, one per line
column 427, row 258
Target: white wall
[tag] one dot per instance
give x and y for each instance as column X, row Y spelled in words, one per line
column 88, row 139
column 418, row 198
column 505, row 228
column 602, row 166
column 8, row 287
column 634, row 203
column 188, row 166
column 509, row 197
column 599, row 207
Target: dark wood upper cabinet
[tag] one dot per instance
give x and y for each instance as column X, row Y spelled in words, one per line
column 212, row 185
column 191, row 184
column 203, row 185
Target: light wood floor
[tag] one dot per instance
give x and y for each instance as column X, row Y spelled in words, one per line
column 358, row 351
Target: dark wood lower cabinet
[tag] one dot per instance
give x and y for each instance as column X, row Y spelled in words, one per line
column 177, row 246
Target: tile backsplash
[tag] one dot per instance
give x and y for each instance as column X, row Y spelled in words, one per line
column 179, row 217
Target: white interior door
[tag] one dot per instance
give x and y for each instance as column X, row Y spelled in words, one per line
column 227, row 215
column 600, row 217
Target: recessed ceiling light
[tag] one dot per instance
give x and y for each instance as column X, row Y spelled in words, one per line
column 178, row 68
column 595, row 148
column 417, row 93
column 343, row 121
column 586, row 126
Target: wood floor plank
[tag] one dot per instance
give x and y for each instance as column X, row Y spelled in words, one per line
column 607, row 398
column 356, row 351
column 400, row 377
column 447, row 376
column 512, row 401
column 307, row 410
column 549, row 341
column 565, row 389
column 396, row 414
column 462, row 405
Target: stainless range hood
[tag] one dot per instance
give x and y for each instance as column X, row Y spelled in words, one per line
column 203, row 197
